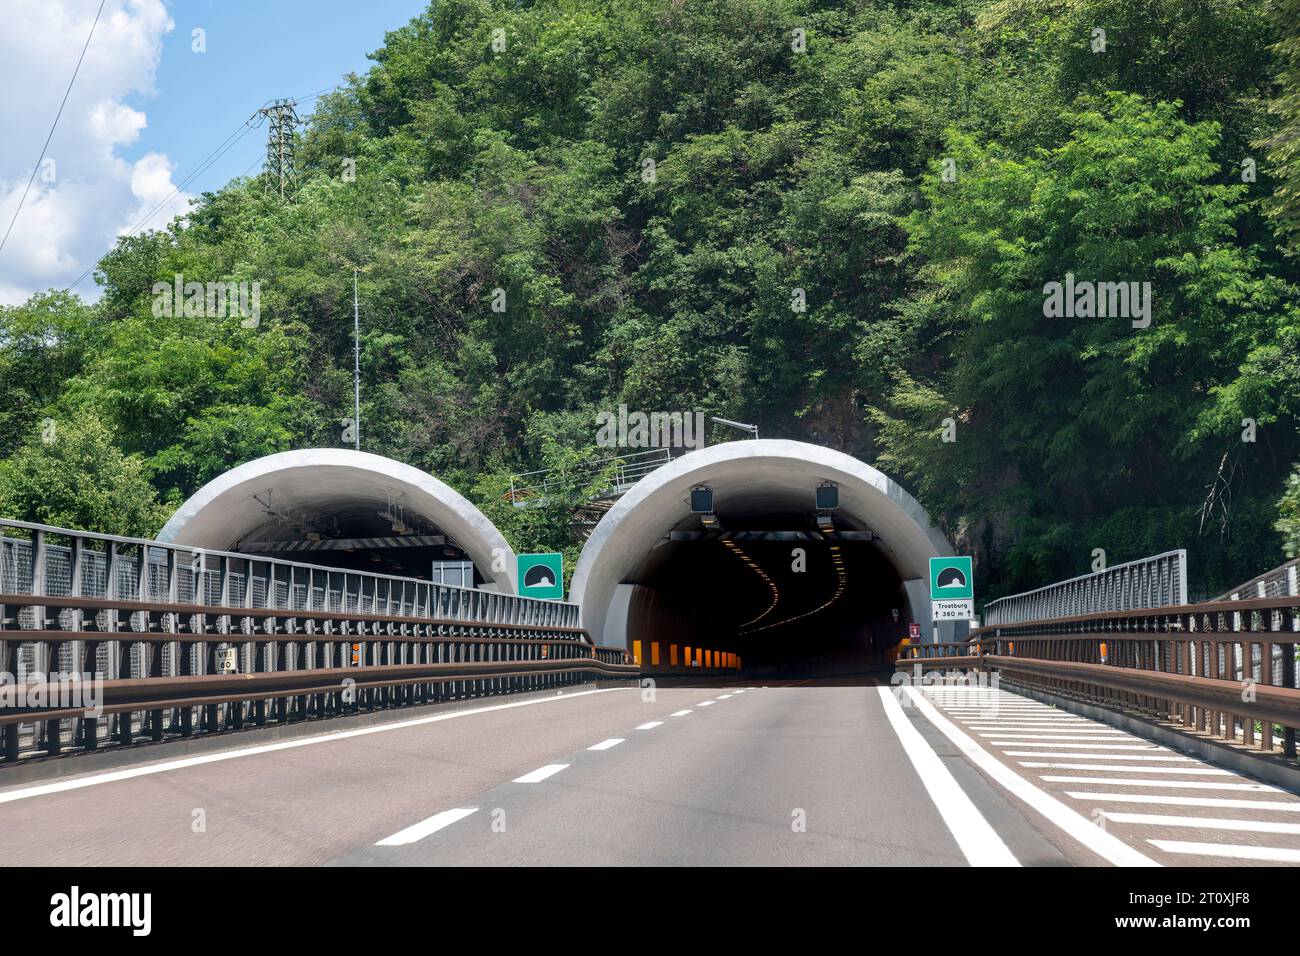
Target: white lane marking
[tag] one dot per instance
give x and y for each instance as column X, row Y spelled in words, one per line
column 737, row 692
column 1019, row 735
column 680, row 713
column 1079, row 756
column 541, row 773
column 1272, row 854
column 1208, row 823
column 650, row 725
column 422, row 829
column 606, row 744
column 1044, row 733
column 705, row 703
column 180, row 764
column 1174, row 801
column 1198, row 771
column 1168, row 784
column 1048, row 743
column 723, row 697
column 1069, row 820
column 978, row 841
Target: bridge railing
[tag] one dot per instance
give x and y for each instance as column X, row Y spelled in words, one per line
column 1157, row 581
column 1222, row 669
column 158, row 634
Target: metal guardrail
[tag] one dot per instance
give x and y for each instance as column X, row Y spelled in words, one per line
column 530, row 487
column 1282, row 581
column 1157, row 581
column 173, row 631
column 1223, row 669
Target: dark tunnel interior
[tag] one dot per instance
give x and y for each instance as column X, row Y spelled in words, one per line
column 807, row 605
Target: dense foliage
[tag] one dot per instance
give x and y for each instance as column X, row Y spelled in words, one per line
column 834, row 219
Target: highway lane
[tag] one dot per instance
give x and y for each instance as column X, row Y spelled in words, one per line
column 782, row 775
column 796, row 773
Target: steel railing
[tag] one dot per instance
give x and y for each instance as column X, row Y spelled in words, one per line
column 159, row 625
column 532, row 487
column 1223, row 669
column 1157, row 581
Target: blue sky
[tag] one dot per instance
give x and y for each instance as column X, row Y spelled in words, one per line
column 146, row 111
column 256, row 51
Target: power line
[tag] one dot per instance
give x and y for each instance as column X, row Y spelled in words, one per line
column 53, row 125
column 222, row 148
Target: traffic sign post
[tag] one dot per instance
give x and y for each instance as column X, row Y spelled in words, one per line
column 541, row 576
column 952, row 589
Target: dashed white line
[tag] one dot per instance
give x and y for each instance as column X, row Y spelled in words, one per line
column 606, row 744
column 422, row 829
column 1270, row 854
column 541, row 773
column 180, row 764
column 978, row 841
column 723, row 697
column 705, row 703
column 681, row 713
column 650, row 725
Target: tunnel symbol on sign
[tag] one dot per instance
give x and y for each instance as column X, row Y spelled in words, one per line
column 539, row 576
column 951, row 578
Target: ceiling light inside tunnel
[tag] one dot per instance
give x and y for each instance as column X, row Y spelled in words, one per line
column 739, row 552
column 828, row 496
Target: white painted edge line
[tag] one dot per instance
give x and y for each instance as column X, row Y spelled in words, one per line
column 1121, row 768
column 723, row 697
column 1030, row 735
column 1209, row 823
column 650, row 725
column 606, row 744
column 737, row 692
column 112, row 776
column 681, row 713
column 976, row 838
column 1071, row 746
column 1167, row 784
column 1077, row 826
column 1269, row 853
column 541, row 773
column 1176, row 801
column 1078, row 756
column 433, row 824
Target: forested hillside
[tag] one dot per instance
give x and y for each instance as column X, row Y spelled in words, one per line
column 835, row 220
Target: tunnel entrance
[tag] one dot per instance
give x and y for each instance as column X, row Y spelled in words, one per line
column 779, row 557
column 785, row 603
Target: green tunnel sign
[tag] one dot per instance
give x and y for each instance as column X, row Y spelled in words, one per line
column 952, row 589
column 541, row 576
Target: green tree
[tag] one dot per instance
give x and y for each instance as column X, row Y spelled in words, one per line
column 73, row 475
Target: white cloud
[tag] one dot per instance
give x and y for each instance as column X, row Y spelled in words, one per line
column 66, row 224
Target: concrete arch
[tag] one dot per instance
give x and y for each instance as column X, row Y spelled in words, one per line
column 768, row 474
column 224, row 512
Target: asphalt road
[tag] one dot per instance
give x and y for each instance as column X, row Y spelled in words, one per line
column 791, row 774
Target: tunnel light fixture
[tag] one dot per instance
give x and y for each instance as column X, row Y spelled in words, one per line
column 710, row 522
column 828, row 496
column 825, row 524
column 702, row 500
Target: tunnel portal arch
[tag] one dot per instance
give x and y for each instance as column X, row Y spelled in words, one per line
column 753, row 477
column 280, row 496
